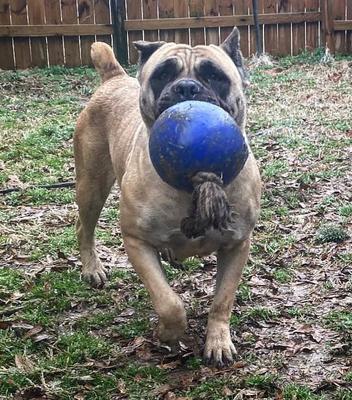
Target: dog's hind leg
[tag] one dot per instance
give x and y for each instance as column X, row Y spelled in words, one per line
column 219, row 349
column 168, row 305
column 94, row 179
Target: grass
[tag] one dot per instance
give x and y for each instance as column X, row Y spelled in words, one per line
column 72, row 341
column 331, row 233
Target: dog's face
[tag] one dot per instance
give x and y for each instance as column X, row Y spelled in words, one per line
column 170, row 73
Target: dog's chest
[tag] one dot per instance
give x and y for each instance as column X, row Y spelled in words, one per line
column 162, row 227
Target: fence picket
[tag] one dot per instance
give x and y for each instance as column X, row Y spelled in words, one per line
column 55, row 43
column 36, row 16
column 134, row 11
column 6, row 52
column 86, row 16
column 69, row 16
column 21, row 44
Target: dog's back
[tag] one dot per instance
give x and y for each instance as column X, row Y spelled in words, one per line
column 104, row 119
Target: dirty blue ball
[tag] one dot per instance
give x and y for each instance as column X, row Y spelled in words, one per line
column 194, row 136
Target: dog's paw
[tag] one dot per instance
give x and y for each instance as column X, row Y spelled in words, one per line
column 173, row 323
column 95, row 274
column 219, row 349
column 171, row 334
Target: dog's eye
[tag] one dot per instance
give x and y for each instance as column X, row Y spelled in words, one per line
column 214, row 76
column 163, row 76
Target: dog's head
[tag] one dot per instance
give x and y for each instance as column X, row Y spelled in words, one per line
column 170, row 73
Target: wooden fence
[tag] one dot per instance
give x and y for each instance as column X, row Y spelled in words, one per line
column 60, row 32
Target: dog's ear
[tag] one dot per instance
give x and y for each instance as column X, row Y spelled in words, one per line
column 232, row 47
column 146, row 49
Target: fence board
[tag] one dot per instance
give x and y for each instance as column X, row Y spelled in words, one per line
column 181, row 10
column 150, row 10
column 339, row 10
column 134, row 12
column 284, row 31
column 196, row 9
column 36, row 16
column 102, row 16
column 166, row 10
column 298, row 30
column 6, row 51
column 349, row 33
column 21, row 45
column 271, row 44
column 211, row 34
column 69, row 16
column 242, row 8
column 312, row 28
column 55, row 44
column 225, row 8
column 86, row 16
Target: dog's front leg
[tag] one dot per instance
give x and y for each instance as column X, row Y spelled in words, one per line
column 219, row 349
column 167, row 304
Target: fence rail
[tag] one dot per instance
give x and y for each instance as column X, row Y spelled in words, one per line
column 60, row 32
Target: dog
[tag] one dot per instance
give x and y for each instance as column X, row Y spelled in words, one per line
column 111, row 143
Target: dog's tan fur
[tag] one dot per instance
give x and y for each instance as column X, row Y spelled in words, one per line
column 111, row 142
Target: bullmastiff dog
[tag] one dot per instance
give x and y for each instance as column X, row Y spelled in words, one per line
column 111, row 143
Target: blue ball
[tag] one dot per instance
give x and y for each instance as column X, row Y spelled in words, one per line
column 195, row 136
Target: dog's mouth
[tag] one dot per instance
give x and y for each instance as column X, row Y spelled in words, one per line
column 165, row 103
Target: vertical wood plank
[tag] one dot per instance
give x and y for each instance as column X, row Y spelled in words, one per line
column 284, row 33
column 225, row 8
column 6, row 52
column 328, row 39
column 196, row 9
column 150, row 10
column 69, row 16
column 242, row 8
column 211, row 8
column 36, row 16
column 19, row 17
column 298, row 30
column 271, row 40
column 181, row 10
column 86, row 16
column 251, row 30
column 134, row 11
column 55, row 44
column 102, row 16
column 339, row 12
column 312, row 28
column 166, row 10
column 349, row 33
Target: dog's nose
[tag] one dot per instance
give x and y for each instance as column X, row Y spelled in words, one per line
column 187, row 88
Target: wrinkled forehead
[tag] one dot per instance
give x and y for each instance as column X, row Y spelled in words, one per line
column 189, row 58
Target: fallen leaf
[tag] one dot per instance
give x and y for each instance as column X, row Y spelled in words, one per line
column 33, row 331
column 23, row 363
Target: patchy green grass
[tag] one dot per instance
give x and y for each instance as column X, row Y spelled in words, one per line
column 74, row 342
column 331, row 233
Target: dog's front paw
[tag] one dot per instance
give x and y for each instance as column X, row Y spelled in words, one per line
column 94, row 273
column 172, row 322
column 171, row 334
column 219, row 349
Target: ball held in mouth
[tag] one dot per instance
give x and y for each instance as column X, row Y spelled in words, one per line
column 195, row 136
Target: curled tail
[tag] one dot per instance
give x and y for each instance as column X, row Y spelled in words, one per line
column 105, row 62
column 210, row 207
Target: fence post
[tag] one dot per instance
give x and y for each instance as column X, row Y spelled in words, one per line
column 328, row 24
column 120, row 36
